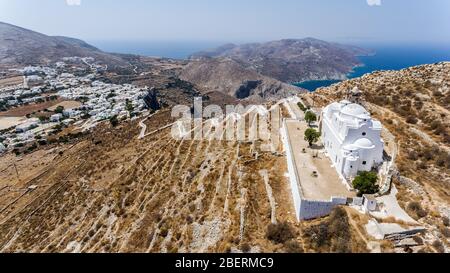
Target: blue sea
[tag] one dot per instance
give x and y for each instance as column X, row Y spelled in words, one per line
column 168, row 49
column 390, row 57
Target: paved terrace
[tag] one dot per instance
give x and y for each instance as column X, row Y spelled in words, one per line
column 328, row 183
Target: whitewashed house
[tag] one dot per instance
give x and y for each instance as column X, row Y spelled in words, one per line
column 369, row 202
column 26, row 126
column 351, row 138
column 56, row 117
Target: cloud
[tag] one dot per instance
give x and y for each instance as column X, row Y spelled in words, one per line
column 374, row 2
column 73, row 2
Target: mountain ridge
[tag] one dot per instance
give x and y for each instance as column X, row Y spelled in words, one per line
column 292, row 60
column 20, row 46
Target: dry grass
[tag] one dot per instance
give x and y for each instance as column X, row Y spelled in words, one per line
column 114, row 193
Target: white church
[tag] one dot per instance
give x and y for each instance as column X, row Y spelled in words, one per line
column 351, row 138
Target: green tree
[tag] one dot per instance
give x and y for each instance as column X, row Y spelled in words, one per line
column 310, row 117
column 312, row 136
column 59, row 109
column 129, row 106
column 302, row 107
column 366, row 183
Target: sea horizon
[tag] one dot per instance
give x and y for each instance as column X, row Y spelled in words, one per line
column 388, row 57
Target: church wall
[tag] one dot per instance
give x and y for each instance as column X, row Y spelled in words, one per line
column 293, row 177
column 311, row 209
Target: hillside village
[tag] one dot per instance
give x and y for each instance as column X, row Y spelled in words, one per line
column 76, row 98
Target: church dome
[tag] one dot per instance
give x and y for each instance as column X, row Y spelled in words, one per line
column 355, row 110
column 364, row 143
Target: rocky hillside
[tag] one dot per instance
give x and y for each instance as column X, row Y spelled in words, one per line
column 414, row 105
column 111, row 192
column 292, row 60
column 19, row 46
column 229, row 77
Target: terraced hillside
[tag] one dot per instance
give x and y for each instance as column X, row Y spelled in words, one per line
column 111, row 192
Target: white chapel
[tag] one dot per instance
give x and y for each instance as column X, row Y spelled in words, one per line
column 352, row 138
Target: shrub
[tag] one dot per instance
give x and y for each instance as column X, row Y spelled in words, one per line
column 164, row 232
column 442, row 159
column 412, row 120
column 416, row 208
column 114, row 121
column 43, row 118
column 428, row 154
column 446, row 232
column 422, row 165
column 292, row 246
column 245, row 247
column 366, row 183
column 59, row 109
column 412, row 155
column 421, row 213
column 446, row 221
column 438, row 246
column 302, row 107
column 418, row 240
column 280, row 233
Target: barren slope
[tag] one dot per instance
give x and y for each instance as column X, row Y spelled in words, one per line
column 19, row 46
column 229, row 77
column 112, row 192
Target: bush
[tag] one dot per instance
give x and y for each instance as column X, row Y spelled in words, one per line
column 59, row 109
column 428, row 154
column 438, row 246
column 412, row 155
column 421, row 213
column 416, row 208
column 164, row 232
column 418, row 240
column 293, row 246
column 366, row 183
column 114, row 121
column 412, row 120
column 446, row 221
column 442, row 159
column 422, row 165
column 446, row 232
column 302, row 107
column 245, row 247
column 280, row 233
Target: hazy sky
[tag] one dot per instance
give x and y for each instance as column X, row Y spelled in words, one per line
column 234, row 20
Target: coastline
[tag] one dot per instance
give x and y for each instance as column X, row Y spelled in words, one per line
column 313, row 85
